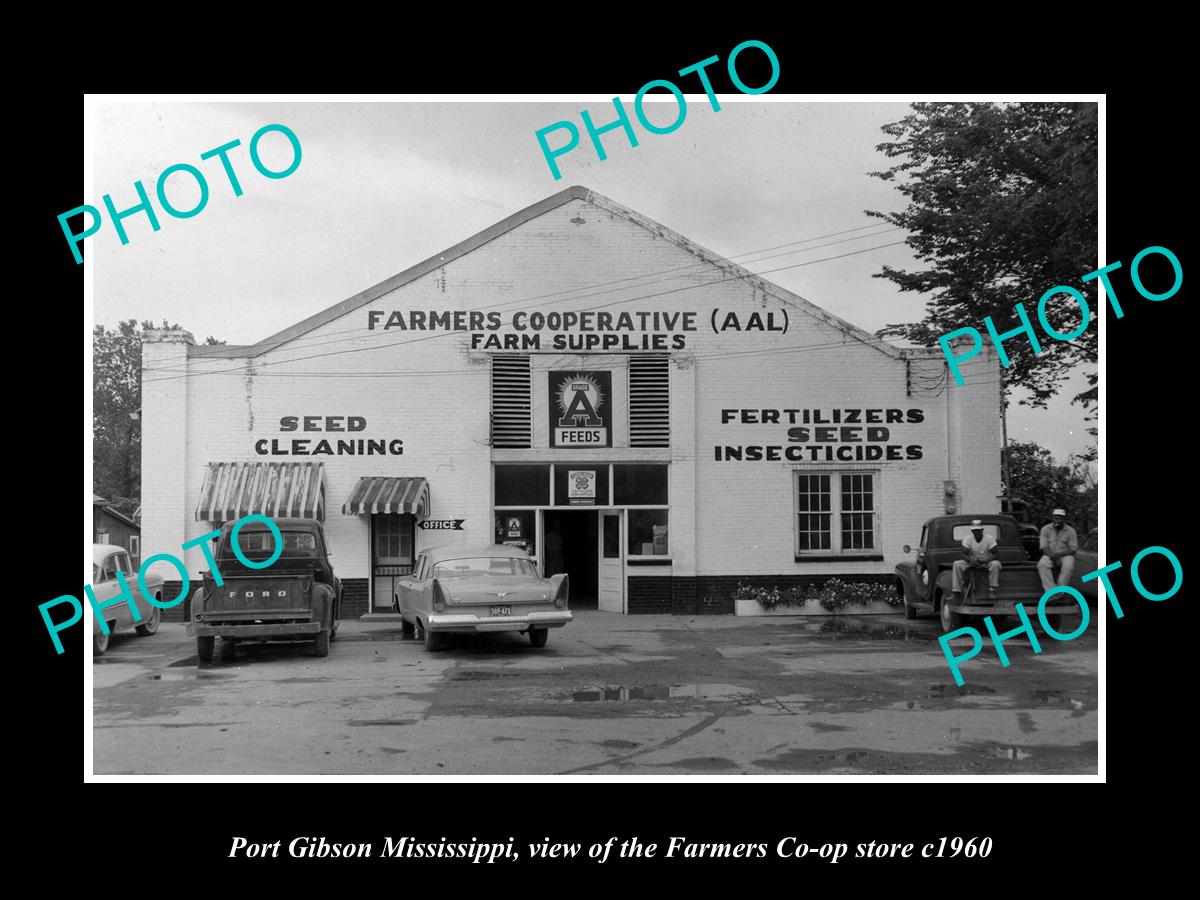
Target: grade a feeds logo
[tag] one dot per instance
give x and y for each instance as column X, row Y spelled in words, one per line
column 580, row 409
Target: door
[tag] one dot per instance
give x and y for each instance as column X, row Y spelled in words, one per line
column 391, row 558
column 611, row 589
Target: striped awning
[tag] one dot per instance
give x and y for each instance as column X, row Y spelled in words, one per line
column 389, row 495
column 277, row 490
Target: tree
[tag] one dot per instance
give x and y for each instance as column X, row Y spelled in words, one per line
column 1002, row 206
column 116, row 412
column 1046, row 485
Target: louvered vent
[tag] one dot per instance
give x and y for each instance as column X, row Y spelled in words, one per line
column 511, row 402
column 649, row 401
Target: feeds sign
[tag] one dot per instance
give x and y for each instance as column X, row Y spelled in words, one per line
column 580, row 409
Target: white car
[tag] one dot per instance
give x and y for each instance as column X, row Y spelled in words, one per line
column 107, row 561
column 481, row 589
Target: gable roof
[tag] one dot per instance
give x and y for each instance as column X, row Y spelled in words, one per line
column 575, row 192
column 98, row 501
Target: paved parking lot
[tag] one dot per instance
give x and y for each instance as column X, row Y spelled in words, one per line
column 609, row 694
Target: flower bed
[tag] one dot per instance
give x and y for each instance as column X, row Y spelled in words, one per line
column 834, row 597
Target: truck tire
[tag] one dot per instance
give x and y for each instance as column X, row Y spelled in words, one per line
column 909, row 611
column 204, row 648
column 1056, row 622
column 433, row 640
column 321, row 648
column 950, row 619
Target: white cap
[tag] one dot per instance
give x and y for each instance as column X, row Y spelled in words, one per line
column 1059, row 512
column 976, row 523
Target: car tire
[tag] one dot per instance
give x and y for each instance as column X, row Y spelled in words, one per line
column 950, row 619
column 539, row 636
column 321, row 647
column 99, row 643
column 150, row 626
column 408, row 629
column 433, row 640
column 204, row 648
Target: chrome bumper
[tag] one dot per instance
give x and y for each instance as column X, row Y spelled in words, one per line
column 470, row 622
column 1002, row 607
column 283, row 629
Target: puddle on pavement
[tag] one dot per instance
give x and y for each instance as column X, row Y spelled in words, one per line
column 1009, row 753
column 190, row 661
column 622, row 693
column 187, row 676
column 949, row 690
column 865, row 629
column 377, row 722
column 477, row 675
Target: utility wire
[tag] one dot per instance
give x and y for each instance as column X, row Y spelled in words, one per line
column 242, row 369
column 302, row 341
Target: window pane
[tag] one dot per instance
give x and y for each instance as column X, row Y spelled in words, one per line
column 858, row 520
column 814, row 525
column 522, row 485
column 612, row 537
column 516, row 529
column 648, row 532
column 640, row 485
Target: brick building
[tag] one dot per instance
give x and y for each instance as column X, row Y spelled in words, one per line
column 579, row 380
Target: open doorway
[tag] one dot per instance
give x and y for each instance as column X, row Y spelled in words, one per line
column 578, row 531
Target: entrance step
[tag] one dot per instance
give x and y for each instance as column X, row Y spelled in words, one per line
column 379, row 617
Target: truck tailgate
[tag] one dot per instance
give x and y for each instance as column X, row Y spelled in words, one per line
column 265, row 593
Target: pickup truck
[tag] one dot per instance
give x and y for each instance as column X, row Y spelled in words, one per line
column 925, row 583
column 295, row 598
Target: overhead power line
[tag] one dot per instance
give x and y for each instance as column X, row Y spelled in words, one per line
column 242, row 369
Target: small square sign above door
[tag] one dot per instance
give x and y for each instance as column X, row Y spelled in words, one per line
column 581, row 487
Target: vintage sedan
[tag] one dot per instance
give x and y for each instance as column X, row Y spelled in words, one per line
column 107, row 561
column 481, row 588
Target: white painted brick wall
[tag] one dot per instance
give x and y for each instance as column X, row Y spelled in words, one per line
column 727, row 517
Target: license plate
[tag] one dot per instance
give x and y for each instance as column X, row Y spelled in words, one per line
column 500, row 611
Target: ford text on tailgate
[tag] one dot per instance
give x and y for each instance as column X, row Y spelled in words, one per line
column 296, row 597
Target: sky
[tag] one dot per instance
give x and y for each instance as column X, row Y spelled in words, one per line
column 384, row 185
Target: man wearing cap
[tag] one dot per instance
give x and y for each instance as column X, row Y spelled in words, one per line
column 978, row 552
column 1059, row 544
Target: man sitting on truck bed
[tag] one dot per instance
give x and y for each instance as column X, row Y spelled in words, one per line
column 1060, row 543
column 977, row 552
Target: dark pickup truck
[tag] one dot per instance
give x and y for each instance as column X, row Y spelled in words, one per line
column 925, row 583
column 297, row 597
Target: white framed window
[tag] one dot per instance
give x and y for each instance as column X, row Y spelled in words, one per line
column 103, row 537
column 135, row 546
column 836, row 512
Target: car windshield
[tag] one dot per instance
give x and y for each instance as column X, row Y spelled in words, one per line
column 484, row 565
